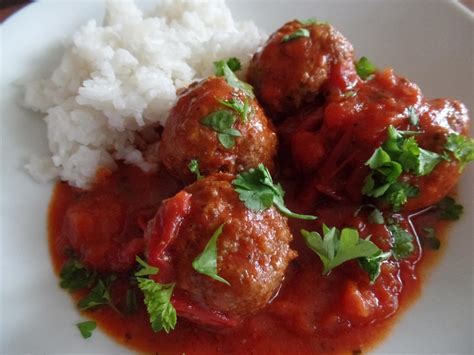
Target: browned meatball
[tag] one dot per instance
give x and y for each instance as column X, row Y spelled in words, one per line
column 185, row 137
column 288, row 74
column 252, row 251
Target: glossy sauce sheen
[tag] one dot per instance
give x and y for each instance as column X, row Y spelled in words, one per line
column 307, row 317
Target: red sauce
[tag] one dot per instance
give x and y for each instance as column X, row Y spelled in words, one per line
column 312, row 313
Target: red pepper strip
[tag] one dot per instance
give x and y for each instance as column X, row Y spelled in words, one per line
column 162, row 230
column 198, row 314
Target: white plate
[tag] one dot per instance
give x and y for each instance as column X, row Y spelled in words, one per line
column 430, row 42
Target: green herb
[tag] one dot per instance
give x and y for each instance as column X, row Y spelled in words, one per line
column 412, row 116
column 365, row 68
column 430, row 240
column 337, row 247
column 397, row 154
column 158, row 303
column 449, row 209
column 402, row 242
column 131, row 301
column 375, row 217
column 373, row 264
column 299, row 33
column 398, row 193
column 242, row 108
column 233, row 64
column 86, row 328
column 312, row 21
column 146, row 269
column 193, row 167
column 99, row 295
column 223, row 69
column 221, row 121
column 258, row 192
column 74, row 276
column 461, row 147
column 206, row 262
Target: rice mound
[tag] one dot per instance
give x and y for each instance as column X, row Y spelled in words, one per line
column 117, row 79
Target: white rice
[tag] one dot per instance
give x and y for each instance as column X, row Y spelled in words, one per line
column 118, row 78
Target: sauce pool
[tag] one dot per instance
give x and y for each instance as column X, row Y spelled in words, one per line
column 310, row 313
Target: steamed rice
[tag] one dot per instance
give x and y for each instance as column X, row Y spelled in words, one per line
column 116, row 79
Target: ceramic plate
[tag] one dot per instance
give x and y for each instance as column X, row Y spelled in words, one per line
column 430, row 42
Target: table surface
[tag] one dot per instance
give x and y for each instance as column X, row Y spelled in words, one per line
column 8, row 7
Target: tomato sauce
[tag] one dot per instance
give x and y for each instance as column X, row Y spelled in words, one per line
column 312, row 313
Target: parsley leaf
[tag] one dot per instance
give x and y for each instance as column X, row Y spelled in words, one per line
column 430, row 240
column 372, row 264
column 193, row 167
column 221, row 121
column 375, row 217
column 412, row 116
column 146, row 269
column 312, row 21
column 242, row 108
column 365, row 68
column 158, row 303
column 299, row 33
column 86, row 328
column 398, row 193
column 402, row 242
column 461, row 147
column 233, row 64
column 449, row 209
column 74, row 276
column 258, row 192
column 206, row 262
column 99, row 295
column 337, row 247
column 223, row 69
column 397, row 154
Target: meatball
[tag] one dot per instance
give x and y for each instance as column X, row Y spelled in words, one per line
column 186, row 137
column 252, row 251
column 289, row 74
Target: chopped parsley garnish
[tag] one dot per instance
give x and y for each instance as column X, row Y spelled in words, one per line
column 373, row 264
column 86, row 328
column 402, row 242
column 337, row 247
column 243, row 108
column 233, row 64
column 299, row 33
column 412, row 116
column 397, row 154
column 157, row 298
column 146, row 269
column 223, row 69
column 258, row 192
column 158, row 304
column 206, row 262
column 99, row 295
column 449, row 209
column 312, row 21
column 221, row 121
column 193, row 167
column 365, row 68
column 74, row 276
column 461, row 147
column 375, row 217
column 430, row 240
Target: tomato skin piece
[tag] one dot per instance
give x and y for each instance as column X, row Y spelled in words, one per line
column 162, row 230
